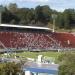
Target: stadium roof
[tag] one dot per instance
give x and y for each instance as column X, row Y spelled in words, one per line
column 41, row 68
column 21, row 26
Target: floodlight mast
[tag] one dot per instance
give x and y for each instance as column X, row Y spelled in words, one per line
column 54, row 16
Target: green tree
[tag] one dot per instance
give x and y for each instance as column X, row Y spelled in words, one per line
column 12, row 7
column 42, row 14
column 60, row 20
column 67, row 64
column 10, row 68
column 66, row 19
column 25, row 15
column 8, row 17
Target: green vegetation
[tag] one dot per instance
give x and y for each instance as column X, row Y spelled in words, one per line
column 40, row 16
column 34, row 54
column 67, row 63
column 10, row 69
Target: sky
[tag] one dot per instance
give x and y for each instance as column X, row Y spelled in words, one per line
column 59, row 5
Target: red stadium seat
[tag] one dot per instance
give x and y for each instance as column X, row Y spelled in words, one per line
column 37, row 40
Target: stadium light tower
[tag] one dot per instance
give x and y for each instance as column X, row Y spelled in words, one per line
column 1, row 10
column 54, row 16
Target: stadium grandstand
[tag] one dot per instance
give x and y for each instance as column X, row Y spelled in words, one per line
column 34, row 38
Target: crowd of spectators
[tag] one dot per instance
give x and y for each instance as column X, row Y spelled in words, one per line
column 36, row 40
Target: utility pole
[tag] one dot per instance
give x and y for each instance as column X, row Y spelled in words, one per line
column 54, row 16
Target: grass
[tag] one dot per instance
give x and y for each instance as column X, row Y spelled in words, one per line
column 35, row 54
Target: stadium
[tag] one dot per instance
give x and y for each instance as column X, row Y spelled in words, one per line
column 30, row 38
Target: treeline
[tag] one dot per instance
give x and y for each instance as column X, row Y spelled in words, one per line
column 40, row 16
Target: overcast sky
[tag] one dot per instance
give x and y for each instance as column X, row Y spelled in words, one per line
column 59, row 5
